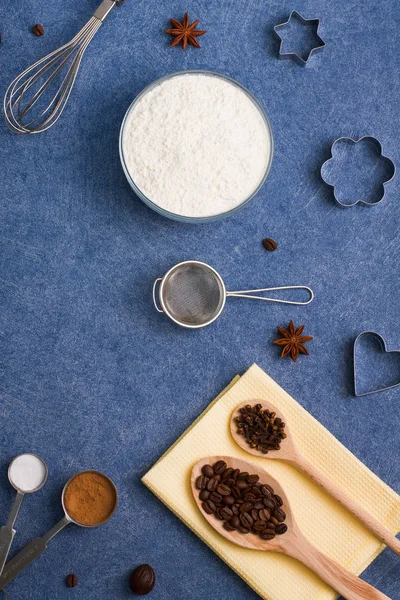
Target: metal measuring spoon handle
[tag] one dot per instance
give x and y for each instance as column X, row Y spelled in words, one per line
column 30, row 553
column 250, row 294
column 7, row 532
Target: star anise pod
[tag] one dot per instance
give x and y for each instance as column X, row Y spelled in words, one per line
column 184, row 33
column 292, row 341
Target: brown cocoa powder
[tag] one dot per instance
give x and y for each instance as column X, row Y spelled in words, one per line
column 90, row 498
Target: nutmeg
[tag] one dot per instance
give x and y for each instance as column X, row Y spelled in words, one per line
column 142, row 580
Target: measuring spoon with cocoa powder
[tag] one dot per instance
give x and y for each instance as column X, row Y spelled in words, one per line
column 292, row 543
column 103, row 503
column 290, row 454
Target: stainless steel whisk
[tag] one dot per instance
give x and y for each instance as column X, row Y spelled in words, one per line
column 62, row 64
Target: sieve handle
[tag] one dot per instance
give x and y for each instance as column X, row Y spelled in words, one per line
column 158, row 309
column 250, row 294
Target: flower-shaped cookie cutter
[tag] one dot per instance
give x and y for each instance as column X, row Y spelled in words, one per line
column 380, row 157
column 294, row 15
column 385, row 350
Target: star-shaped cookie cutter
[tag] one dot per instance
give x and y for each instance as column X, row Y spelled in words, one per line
column 293, row 55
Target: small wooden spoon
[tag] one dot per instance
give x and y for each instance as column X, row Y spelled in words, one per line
column 292, row 543
column 289, row 453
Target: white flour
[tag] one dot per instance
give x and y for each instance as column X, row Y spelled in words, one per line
column 196, row 145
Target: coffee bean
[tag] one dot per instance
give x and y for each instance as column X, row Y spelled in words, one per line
column 265, row 491
column 226, row 513
column 38, row 30
column 242, row 529
column 259, row 526
column 269, row 488
column 252, row 479
column 235, row 522
column 142, row 580
column 209, row 509
column 235, row 509
column 204, row 495
column 228, row 500
column 235, row 492
column 215, row 497
column 274, row 521
column 282, row 528
column 270, row 525
column 228, row 526
column 259, row 505
column 224, row 490
column 218, row 514
column 208, row 471
column 254, row 514
column 217, row 478
column 249, row 498
column 279, row 514
column 72, row 580
column 270, row 244
column 246, row 520
column 241, row 484
column 267, row 534
column 201, row 482
column 243, row 475
column 212, row 485
column 246, row 507
column 219, row 467
column 227, row 473
column 264, row 514
column 230, row 482
column 235, row 474
column 268, row 503
column 278, row 500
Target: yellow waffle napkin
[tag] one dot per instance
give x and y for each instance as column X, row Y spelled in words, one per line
column 328, row 526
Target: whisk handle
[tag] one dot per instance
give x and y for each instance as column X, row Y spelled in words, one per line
column 105, row 7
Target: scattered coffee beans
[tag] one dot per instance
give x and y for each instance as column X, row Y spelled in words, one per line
column 241, row 501
column 38, row 30
column 270, row 244
column 261, row 428
column 142, row 580
column 72, row 580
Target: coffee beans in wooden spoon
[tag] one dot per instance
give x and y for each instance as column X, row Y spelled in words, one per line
column 241, row 501
column 293, row 543
column 286, row 450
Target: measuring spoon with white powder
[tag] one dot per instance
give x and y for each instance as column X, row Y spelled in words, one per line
column 27, row 474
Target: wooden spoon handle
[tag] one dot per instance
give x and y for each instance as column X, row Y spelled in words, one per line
column 336, row 576
column 355, row 509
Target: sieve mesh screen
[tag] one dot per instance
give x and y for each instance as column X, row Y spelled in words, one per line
column 193, row 294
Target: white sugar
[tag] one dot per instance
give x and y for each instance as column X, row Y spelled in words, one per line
column 196, row 145
column 27, row 472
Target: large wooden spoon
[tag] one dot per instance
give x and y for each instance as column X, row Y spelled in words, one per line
column 292, row 543
column 289, row 453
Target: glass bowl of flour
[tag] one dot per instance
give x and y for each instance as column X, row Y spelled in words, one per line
column 196, row 146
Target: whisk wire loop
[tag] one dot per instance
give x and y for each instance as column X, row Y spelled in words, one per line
column 58, row 69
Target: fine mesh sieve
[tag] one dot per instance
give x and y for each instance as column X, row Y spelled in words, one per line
column 193, row 294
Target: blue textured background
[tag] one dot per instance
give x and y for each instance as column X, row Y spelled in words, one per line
column 91, row 375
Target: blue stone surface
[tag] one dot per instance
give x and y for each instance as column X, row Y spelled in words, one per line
column 91, row 375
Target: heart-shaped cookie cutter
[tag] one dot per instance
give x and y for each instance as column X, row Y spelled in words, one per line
column 384, row 348
column 378, row 146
